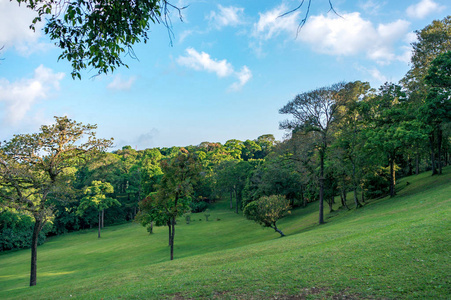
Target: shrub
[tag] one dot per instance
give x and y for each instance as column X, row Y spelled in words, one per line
column 16, row 231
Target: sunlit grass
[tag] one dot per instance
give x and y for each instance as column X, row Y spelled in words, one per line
column 395, row 248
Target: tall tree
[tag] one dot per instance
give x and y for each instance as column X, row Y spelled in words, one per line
column 172, row 198
column 315, row 111
column 348, row 145
column 432, row 41
column 436, row 110
column 96, row 197
column 390, row 129
column 32, row 169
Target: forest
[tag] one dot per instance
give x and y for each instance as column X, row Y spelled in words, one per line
column 345, row 141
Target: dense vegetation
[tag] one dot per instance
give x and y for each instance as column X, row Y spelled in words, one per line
column 344, row 140
column 392, row 248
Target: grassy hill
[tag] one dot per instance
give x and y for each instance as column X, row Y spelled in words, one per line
column 395, row 248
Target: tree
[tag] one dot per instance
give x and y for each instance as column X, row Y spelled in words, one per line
column 436, row 109
column 315, row 111
column 172, row 198
column 97, row 199
column 97, row 33
column 33, row 166
column 267, row 211
column 433, row 40
column 390, row 129
column 348, row 144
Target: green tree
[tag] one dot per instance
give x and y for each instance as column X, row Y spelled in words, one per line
column 347, row 150
column 98, row 33
column 173, row 194
column 33, row 166
column 433, row 40
column 390, row 129
column 267, row 211
column 96, row 197
column 436, row 109
column 315, row 111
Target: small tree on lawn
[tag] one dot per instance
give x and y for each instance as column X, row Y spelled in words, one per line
column 96, row 198
column 268, row 210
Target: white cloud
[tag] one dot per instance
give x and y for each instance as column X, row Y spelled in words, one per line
column 423, row 8
column 372, row 7
column 227, row 16
column 350, row 35
column 14, row 28
column 374, row 73
column 243, row 77
column 19, row 96
column 203, row 62
column 271, row 24
column 121, row 84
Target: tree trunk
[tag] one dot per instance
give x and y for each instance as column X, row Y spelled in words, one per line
column 356, row 199
column 431, row 141
column 236, row 201
column 100, row 223
column 103, row 218
column 321, row 188
column 417, row 163
column 392, row 175
column 439, row 149
column 303, row 199
column 34, row 251
column 277, row 230
column 409, row 165
column 172, row 238
column 343, row 198
column 170, row 233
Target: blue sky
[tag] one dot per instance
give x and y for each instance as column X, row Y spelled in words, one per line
column 232, row 66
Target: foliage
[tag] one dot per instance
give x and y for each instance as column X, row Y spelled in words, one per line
column 98, row 33
column 16, row 231
column 267, row 210
column 377, row 252
column 34, row 168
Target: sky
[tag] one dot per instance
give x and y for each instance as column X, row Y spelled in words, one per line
column 231, row 66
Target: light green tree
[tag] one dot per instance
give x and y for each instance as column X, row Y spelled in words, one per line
column 96, row 197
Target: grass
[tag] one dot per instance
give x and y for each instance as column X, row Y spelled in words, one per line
column 396, row 248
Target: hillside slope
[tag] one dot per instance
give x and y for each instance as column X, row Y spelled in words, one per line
column 392, row 248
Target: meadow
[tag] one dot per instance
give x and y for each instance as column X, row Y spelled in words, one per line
column 392, row 248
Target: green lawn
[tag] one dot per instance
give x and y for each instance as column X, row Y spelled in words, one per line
column 395, row 248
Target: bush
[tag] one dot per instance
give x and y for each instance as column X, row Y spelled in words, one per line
column 197, row 207
column 16, row 231
column 377, row 184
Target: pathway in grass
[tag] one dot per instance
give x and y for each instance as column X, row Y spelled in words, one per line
column 392, row 248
